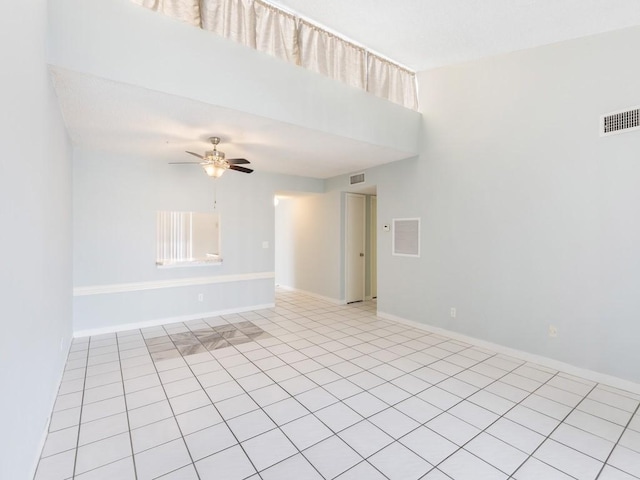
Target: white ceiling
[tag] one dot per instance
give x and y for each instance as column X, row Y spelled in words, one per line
column 423, row 34
column 115, row 117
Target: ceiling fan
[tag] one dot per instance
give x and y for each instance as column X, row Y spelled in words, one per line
column 214, row 162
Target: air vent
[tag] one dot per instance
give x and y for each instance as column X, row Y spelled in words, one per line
column 620, row 122
column 357, row 178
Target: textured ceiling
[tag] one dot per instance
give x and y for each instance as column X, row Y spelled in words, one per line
column 423, row 34
column 113, row 117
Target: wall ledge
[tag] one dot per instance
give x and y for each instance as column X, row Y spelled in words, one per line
column 182, row 282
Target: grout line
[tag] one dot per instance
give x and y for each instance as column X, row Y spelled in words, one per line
column 635, row 412
column 174, row 416
column 84, row 382
column 126, row 409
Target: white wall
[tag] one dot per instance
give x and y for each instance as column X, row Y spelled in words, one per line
column 529, row 218
column 310, row 241
column 35, row 214
column 283, row 244
column 115, row 203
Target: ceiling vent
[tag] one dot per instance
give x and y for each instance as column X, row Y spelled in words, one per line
column 620, row 122
column 357, row 178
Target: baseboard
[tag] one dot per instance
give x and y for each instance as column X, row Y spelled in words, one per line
column 335, row 301
column 166, row 321
column 592, row 375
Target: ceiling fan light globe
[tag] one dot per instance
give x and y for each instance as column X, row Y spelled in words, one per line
column 213, row 171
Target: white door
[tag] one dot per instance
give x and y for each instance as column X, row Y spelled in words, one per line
column 355, row 212
column 373, row 260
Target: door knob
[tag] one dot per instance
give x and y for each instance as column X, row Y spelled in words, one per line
column 362, row 254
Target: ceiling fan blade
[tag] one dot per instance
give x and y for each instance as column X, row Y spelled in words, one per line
column 185, row 163
column 237, row 161
column 195, row 155
column 240, row 169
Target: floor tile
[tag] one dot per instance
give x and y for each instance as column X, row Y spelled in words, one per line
column 399, row 463
column 142, row 416
column 316, row 399
column 103, row 452
column 473, row 414
column 161, row 460
column 250, row 424
column 626, row 460
column 453, row 429
column 285, row 411
column 515, row 434
column 121, row 470
column 331, row 457
column 338, row 416
column 439, row 398
column 429, row 445
column 531, row 419
column 64, row 419
column 365, row 404
column 56, row 467
column 268, row 395
column 596, row 425
column 365, row 438
column 462, row 465
column 210, row 440
column 236, row 406
column 497, row 453
column 342, row 389
column 294, row 468
column 268, row 449
column 585, row 442
column 230, row 464
column 567, row 460
column 306, row 431
column 103, row 428
column 631, row 440
column 154, row 434
column 394, row 422
column 611, row 473
column 198, row 419
column 189, row 401
column 60, row 441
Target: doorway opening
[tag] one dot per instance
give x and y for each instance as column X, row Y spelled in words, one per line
column 360, row 245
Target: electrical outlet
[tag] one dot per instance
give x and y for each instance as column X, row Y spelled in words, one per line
column 553, row 331
column 201, row 297
column 265, row 244
column 453, row 312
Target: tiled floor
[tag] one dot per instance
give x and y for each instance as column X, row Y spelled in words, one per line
column 310, row 390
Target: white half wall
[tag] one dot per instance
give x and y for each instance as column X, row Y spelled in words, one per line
column 35, row 213
column 115, row 277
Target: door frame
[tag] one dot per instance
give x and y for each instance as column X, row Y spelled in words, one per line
column 363, row 248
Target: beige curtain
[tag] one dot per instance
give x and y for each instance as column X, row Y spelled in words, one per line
column 185, row 10
column 276, row 32
column 392, row 82
column 259, row 25
column 325, row 53
column 232, row 19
